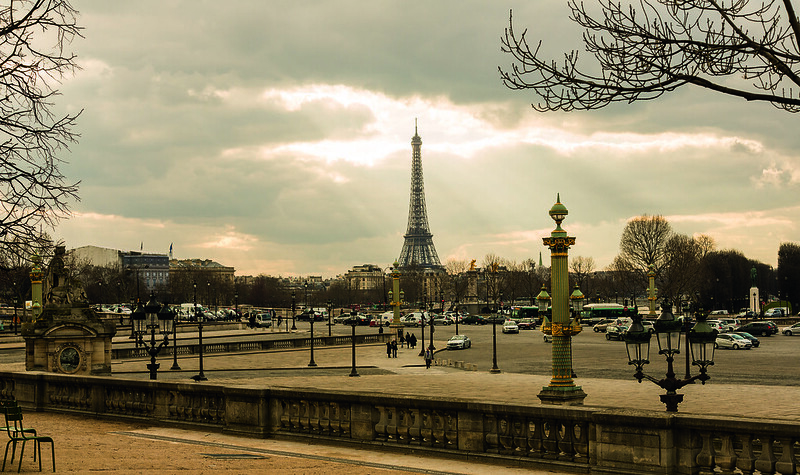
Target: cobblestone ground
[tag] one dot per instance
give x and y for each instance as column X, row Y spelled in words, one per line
column 85, row 445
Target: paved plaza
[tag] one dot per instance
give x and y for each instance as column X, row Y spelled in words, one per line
column 85, row 445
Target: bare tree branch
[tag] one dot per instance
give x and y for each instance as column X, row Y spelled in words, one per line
column 645, row 49
column 34, row 194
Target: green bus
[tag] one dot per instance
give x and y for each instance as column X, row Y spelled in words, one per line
column 594, row 312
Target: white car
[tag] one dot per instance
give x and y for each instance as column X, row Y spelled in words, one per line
column 459, row 342
column 732, row 340
column 792, row 330
column 510, row 326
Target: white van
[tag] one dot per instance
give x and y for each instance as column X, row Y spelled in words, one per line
column 415, row 319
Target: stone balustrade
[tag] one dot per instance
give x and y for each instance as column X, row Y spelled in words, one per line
column 577, row 438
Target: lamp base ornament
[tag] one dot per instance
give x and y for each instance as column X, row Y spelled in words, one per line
column 565, row 396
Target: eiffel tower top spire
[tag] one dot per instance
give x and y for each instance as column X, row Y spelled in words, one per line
column 418, row 249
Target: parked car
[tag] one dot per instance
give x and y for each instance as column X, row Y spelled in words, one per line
column 648, row 326
column 473, row 320
column 603, row 324
column 775, row 312
column 442, row 320
column 792, row 330
column 616, row 331
column 731, row 324
column 341, row 318
column 733, row 341
column 759, row 328
column 358, row 319
column 510, row 326
column 459, row 342
column 717, row 326
column 526, row 324
column 753, row 340
column 414, row 319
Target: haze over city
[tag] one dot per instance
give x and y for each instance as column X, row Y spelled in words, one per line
column 274, row 137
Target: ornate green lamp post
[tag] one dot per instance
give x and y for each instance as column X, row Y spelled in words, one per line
column 543, row 302
column 651, row 289
column 562, row 389
column 700, row 340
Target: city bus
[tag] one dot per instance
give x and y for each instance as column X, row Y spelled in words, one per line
column 594, row 312
column 518, row 313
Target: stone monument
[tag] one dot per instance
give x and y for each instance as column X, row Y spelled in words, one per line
column 755, row 302
column 67, row 335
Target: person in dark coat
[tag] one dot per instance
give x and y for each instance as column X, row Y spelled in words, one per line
column 394, row 348
column 413, row 340
column 402, row 340
column 428, row 358
column 388, row 349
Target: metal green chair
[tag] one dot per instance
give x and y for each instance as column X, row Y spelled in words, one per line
column 5, row 404
column 18, row 433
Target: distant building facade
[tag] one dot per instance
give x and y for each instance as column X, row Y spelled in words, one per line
column 365, row 277
column 152, row 269
column 187, row 268
column 96, row 256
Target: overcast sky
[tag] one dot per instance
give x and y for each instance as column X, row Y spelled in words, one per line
column 275, row 137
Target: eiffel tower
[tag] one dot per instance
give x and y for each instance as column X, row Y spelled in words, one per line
column 418, row 250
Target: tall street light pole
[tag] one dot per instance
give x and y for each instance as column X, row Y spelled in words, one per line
column 330, row 309
column 311, row 317
column 201, row 376
column 562, row 389
column 175, row 366
column 294, row 327
column 353, row 323
column 396, row 296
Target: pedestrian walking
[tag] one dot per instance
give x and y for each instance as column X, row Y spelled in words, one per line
column 413, row 340
column 388, row 349
column 428, row 357
column 402, row 340
column 394, row 348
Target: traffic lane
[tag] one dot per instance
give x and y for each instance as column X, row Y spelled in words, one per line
column 593, row 356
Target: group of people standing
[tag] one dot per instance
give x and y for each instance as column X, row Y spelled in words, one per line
column 411, row 340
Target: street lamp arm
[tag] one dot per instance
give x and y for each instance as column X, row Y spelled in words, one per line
column 672, row 384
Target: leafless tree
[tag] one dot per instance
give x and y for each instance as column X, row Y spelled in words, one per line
column 494, row 276
column 626, row 280
column 643, row 240
column 682, row 272
column 644, row 49
column 34, row 37
column 581, row 268
column 707, row 244
column 459, row 280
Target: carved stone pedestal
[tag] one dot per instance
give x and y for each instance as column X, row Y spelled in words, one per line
column 67, row 336
column 68, row 340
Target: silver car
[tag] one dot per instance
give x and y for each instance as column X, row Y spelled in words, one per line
column 792, row 330
column 732, row 341
column 459, row 342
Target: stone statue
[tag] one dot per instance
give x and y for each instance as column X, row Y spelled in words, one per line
column 61, row 288
column 753, row 276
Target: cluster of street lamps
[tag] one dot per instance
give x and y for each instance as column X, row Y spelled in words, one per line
column 700, row 340
column 152, row 317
